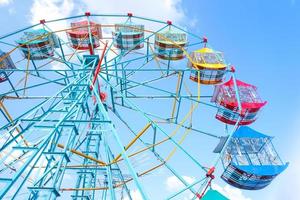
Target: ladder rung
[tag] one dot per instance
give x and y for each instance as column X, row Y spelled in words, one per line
column 58, row 153
column 5, row 179
column 44, row 126
column 25, row 148
column 80, row 196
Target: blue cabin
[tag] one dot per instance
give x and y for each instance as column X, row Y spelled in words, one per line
column 250, row 159
column 5, row 63
column 128, row 36
column 38, row 44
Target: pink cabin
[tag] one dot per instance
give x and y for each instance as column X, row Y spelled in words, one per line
column 79, row 35
column 225, row 97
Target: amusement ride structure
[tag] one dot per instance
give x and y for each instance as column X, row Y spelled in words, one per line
column 114, row 104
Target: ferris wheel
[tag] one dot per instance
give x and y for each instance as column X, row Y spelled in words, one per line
column 110, row 105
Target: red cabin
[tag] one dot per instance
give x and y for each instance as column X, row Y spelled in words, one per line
column 79, row 35
column 228, row 111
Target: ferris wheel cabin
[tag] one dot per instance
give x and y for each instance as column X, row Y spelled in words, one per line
column 169, row 45
column 225, row 98
column 128, row 36
column 37, row 44
column 84, row 34
column 5, row 63
column 208, row 65
column 250, row 160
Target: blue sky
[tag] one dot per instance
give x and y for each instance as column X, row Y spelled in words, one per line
column 260, row 38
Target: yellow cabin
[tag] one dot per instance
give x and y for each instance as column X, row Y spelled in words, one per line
column 208, row 65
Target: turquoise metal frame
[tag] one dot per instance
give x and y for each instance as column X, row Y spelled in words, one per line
column 75, row 126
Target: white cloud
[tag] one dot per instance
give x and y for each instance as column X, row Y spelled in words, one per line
column 50, row 9
column 174, row 184
column 58, row 66
column 12, row 11
column 230, row 192
column 157, row 9
column 135, row 195
column 5, row 2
